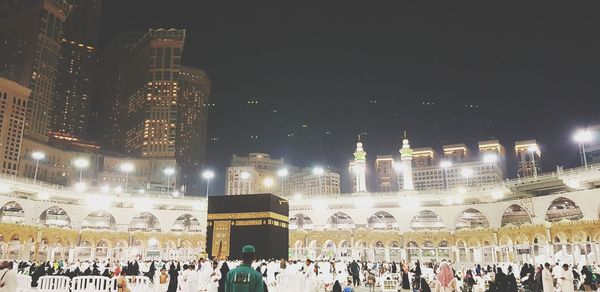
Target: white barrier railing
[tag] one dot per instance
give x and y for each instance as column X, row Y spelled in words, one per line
column 91, row 283
column 54, row 284
column 23, row 282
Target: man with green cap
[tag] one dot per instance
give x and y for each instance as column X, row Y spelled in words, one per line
column 244, row 278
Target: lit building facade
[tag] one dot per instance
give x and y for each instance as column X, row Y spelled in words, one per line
column 190, row 145
column 29, row 54
column 387, row 179
column 153, row 112
column 306, row 183
column 58, row 167
column 262, row 167
column 13, row 110
column 242, row 180
column 248, row 174
column 76, row 69
column 463, row 170
column 528, row 158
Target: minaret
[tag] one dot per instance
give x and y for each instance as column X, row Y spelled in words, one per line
column 406, row 154
column 358, row 167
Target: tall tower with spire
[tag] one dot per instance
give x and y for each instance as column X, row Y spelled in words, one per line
column 406, row 154
column 358, row 168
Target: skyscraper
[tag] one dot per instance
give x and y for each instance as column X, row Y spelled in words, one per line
column 76, row 69
column 190, row 145
column 528, row 158
column 152, row 110
column 30, row 33
column 386, row 174
column 140, row 87
column 120, row 73
column 13, row 108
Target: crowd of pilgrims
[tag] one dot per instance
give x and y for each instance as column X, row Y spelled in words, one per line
column 334, row 275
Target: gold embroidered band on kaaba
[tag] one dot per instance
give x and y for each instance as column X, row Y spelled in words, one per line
column 248, row 215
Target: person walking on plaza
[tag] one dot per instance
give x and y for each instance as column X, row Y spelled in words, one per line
column 547, row 279
column 445, row 281
column 354, row 270
column 566, row 279
column 215, row 276
column 244, row 278
column 8, row 278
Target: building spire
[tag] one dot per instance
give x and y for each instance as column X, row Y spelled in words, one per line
column 360, row 153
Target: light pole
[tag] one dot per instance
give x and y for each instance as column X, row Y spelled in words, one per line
column 37, row 155
column 169, row 171
column 445, row 164
column 81, row 163
column 466, row 173
column 318, row 171
column 582, row 136
column 208, row 175
column 282, row 174
column 532, row 150
column 127, row 168
column 268, row 182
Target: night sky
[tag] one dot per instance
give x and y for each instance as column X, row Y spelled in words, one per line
column 443, row 73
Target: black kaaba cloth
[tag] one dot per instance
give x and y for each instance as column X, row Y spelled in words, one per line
column 257, row 219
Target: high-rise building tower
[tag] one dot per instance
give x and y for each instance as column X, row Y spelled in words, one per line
column 76, row 69
column 120, row 73
column 140, row 77
column 358, row 168
column 386, row 174
column 190, row 145
column 406, row 154
column 13, row 108
column 528, row 158
column 30, row 34
column 152, row 112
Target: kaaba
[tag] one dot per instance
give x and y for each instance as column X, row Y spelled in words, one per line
column 237, row 220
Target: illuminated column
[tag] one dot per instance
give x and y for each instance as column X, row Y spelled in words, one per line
column 406, row 158
column 358, row 167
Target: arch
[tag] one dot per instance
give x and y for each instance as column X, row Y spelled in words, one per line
column 394, row 244
column 472, row 218
column 339, row 220
column 382, row 220
column 121, row 244
column 298, row 244
column 103, row 243
column 361, row 244
column 515, row 215
column 443, row 243
column 329, row 244
column 378, row 244
column 12, row 212
column 563, row 209
column 186, row 223
column 412, row 243
column 99, row 220
column 301, row 221
column 345, row 244
column 55, row 217
column 428, row 243
column 170, row 244
column 427, row 219
column 144, row 221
